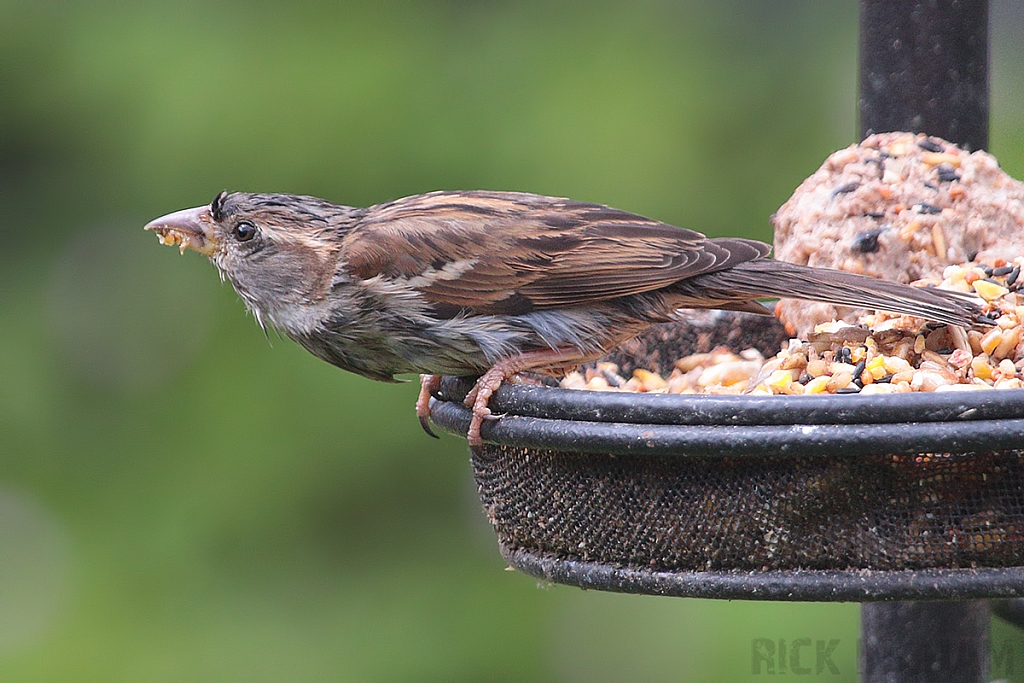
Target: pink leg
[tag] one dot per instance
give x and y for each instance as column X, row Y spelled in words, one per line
column 480, row 394
column 506, row 368
column 429, row 384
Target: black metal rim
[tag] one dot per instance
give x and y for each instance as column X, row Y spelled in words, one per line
column 705, row 410
column 847, row 440
column 795, row 585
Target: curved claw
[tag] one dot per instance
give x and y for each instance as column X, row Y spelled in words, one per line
column 425, row 423
column 428, row 385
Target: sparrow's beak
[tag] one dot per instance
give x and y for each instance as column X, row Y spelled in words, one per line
column 187, row 229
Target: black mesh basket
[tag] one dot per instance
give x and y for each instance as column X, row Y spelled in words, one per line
column 898, row 496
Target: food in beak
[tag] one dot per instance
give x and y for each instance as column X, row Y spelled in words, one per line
column 170, row 237
column 188, row 229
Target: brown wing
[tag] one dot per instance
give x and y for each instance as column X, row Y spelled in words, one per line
column 505, row 252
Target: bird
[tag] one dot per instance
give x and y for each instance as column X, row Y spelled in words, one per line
column 492, row 284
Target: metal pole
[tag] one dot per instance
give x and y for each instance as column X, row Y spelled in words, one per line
column 922, row 642
column 924, row 68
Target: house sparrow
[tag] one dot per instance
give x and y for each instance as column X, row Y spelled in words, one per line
column 492, row 283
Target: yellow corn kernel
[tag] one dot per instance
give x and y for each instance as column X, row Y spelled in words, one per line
column 954, row 273
column 651, row 381
column 780, row 379
column 989, row 291
column 818, row 385
column 1007, row 343
column 991, row 340
column 981, row 368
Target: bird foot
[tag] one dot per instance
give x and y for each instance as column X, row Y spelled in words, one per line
column 429, row 384
column 480, row 395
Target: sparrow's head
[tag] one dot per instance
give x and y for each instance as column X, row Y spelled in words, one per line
column 278, row 250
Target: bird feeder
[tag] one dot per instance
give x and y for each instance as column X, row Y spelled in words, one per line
column 877, row 499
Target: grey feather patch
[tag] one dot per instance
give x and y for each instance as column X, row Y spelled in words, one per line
column 584, row 330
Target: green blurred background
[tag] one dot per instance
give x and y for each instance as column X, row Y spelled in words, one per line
column 182, row 499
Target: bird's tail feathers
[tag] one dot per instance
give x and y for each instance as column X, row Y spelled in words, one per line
column 770, row 278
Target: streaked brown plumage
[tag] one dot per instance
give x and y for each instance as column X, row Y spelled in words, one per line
column 493, row 283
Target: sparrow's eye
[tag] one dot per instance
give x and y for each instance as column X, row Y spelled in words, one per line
column 244, row 231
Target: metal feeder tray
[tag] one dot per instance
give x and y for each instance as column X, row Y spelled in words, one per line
column 811, row 498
